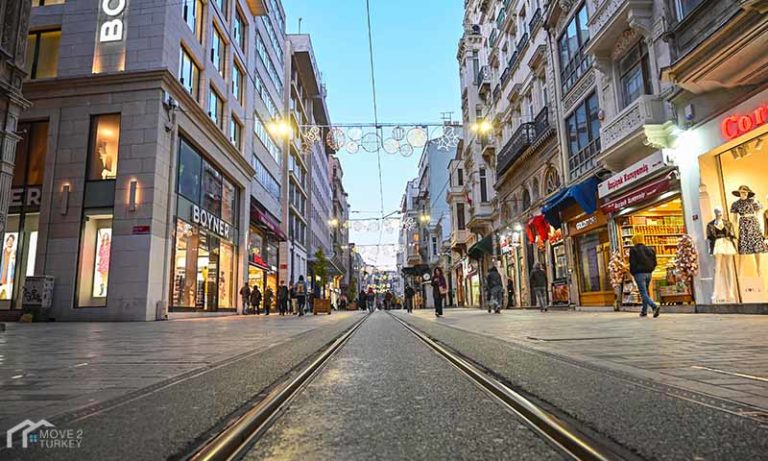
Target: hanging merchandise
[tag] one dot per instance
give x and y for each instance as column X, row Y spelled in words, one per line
column 686, row 260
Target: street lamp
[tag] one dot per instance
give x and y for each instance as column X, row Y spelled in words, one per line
column 333, row 222
column 482, row 127
column 280, row 128
column 425, row 218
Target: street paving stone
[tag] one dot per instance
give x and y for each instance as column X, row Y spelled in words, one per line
column 668, row 349
column 386, row 395
column 52, row 368
column 625, row 404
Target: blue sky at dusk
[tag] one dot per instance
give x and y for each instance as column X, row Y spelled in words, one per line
column 415, row 43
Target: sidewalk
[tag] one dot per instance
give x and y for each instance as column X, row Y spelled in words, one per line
column 724, row 356
column 50, row 368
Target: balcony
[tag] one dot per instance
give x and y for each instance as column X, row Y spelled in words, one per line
column 611, row 20
column 488, row 146
column 536, row 21
column 514, row 148
column 459, row 239
column 497, row 92
column 505, row 75
column 584, row 160
column 500, row 18
column 493, row 38
column 483, row 79
column 623, row 136
column 522, row 44
column 541, row 124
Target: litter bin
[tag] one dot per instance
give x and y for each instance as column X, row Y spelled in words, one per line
column 38, row 297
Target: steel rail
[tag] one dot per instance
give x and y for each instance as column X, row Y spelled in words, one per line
column 229, row 443
column 546, row 425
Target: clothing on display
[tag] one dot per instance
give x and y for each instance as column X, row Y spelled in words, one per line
column 751, row 239
column 721, row 238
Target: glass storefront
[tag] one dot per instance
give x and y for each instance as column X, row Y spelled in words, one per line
column 205, row 250
column 592, row 251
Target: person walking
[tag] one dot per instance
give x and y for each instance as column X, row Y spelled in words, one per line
column 539, row 286
column 268, row 295
column 371, row 299
column 495, row 290
column 510, row 293
column 439, row 290
column 301, row 295
column 361, row 301
column 256, row 300
column 282, row 298
column 642, row 263
column 245, row 295
column 409, row 294
column 388, row 300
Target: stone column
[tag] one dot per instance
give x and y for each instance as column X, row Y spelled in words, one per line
column 14, row 24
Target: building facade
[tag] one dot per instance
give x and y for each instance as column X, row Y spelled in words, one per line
column 145, row 167
column 339, row 223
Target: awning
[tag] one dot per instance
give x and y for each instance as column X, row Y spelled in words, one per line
column 583, row 194
column 483, row 246
column 267, row 221
column 640, row 195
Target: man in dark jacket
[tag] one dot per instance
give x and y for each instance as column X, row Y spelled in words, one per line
column 282, row 298
column 539, row 286
column 245, row 295
column 409, row 294
column 268, row 295
column 495, row 290
column 256, row 299
column 642, row 263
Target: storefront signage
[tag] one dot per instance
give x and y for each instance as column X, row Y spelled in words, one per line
column 140, row 230
column 736, row 125
column 28, row 198
column 208, row 221
column 638, row 196
column 583, row 224
column 633, row 174
column 112, row 26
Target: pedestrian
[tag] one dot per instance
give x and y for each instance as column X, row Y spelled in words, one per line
column 495, row 289
column 388, row 300
column 268, row 295
column 409, row 294
column 439, row 290
column 642, row 263
column 371, row 299
column 256, row 299
column 301, row 295
column 245, row 295
column 282, row 298
column 510, row 293
column 361, row 301
column 539, row 286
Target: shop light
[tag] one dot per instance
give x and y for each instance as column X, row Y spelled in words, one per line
column 132, row 191
column 65, row 198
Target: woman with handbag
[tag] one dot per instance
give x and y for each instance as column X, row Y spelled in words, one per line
column 439, row 290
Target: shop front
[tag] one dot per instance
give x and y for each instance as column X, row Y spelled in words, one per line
column 471, row 282
column 645, row 199
column 264, row 239
column 591, row 245
column 726, row 182
column 205, row 239
column 479, row 260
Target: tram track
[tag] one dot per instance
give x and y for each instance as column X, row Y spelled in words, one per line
column 240, row 437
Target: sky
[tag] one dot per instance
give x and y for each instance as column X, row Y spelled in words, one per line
column 417, row 79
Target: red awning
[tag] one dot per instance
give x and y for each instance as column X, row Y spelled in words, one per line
column 637, row 196
column 267, row 221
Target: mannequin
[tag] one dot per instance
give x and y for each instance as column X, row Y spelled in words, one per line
column 744, row 216
column 722, row 246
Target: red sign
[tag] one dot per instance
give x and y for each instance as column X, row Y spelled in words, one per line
column 737, row 125
column 638, row 196
column 140, row 230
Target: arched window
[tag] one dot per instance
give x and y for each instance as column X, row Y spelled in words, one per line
column 552, row 180
column 515, row 205
column 535, row 190
column 526, row 199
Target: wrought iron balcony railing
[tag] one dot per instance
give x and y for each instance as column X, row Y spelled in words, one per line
column 517, row 144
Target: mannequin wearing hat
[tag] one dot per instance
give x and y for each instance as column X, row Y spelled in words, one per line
column 722, row 245
column 748, row 228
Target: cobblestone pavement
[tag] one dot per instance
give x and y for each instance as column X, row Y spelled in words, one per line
column 724, row 356
column 51, row 368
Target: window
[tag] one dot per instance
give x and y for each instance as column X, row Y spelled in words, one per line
column 43, row 54
column 190, row 166
column 266, row 139
column 460, row 217
column 218, row 51
column 535, row 189
column 95, row 255
column 434, row 246
column 635, row 76
column 265, row 178
column 222, row 5
column 239, row 30
column 574, row 62
column 237, row 83
column 30, row 154
column 685, row 7
column 104, row 147
column 583, row 134
column 228, row 201
column 261, row 90
column 212, row 189
column 277, row 44
column 552, row 180
column 460, row 176
column 215, row 107
column 192, row 12
column 47, row 2
column 483, row 186
column 189, row 74
column 526, row 199
column 235, row 132
column 274, row 75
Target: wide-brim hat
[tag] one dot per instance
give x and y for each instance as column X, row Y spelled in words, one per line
column 737, row 192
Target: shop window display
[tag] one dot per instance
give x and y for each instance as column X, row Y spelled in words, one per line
column 95, row 252
column 594, row 252
column 8, row 264
column 105, row 140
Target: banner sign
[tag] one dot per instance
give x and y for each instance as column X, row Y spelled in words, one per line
column 638, row 196
column 631, row 175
